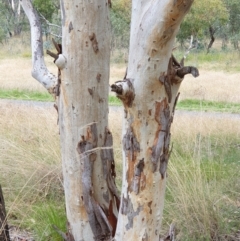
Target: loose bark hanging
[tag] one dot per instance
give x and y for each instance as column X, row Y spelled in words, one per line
column 4, row 231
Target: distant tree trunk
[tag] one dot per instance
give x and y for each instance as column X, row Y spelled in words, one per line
column 86, row 142
column 4, row 231
column 212, row 32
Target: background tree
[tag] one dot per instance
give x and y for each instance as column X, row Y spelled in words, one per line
column 231, row 31
column 202, row 20
column 12, row 18
column 120, row 16
column 81, row 92
column 49, row 15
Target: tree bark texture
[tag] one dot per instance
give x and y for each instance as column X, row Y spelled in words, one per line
column 86, row 142
column 4, row 231
column 149, row 94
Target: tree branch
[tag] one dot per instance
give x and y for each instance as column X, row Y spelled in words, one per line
column 39, row 69
column 187, row 70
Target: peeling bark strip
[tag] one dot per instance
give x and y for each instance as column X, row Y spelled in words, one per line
column 93, row 39
column 131, row 147
column 137, row 176
column 110, row 174
column 109, row 164
column 160, row 149
column 125, row 91
column 128, row 210
column 97, row 218
column 4, row 231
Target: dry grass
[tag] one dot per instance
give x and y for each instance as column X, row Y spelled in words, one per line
column 198, row 187
column 212, row 85
column 203, row 187
column 29, row 157
column 15, row 73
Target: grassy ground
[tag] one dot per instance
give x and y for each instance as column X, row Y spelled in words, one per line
column 203, row 188
column 203, row 191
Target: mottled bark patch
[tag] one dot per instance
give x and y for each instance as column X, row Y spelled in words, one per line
column 137, row 176
column 98, row 77
column 128, row 210
column 130, row 144
column 93, row 39
column 150, row 207
column 70, row 27
column 131, row 147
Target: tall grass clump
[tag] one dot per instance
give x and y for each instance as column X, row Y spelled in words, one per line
column 203, row 186
column 203, row 180
column 30, row 164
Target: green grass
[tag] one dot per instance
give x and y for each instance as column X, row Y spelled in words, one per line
column 206, row 105
column 44, row 217
column 218, row 60
column 194, row 105
column 202, row 188
column 16, row 94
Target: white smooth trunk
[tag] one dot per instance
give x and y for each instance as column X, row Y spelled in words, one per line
column 148, row 116
column 83, row 119
column 81, row 93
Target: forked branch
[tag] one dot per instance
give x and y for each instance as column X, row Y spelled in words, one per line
column 39, row 69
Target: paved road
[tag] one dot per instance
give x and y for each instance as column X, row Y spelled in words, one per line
column 117, row 108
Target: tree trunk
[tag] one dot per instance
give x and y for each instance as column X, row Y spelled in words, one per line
column 88, row 171
column 4, row 231
column 149, row 95
column 211, row 32
column 81, row 92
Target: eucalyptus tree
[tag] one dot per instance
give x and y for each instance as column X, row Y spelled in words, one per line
column 149, row 93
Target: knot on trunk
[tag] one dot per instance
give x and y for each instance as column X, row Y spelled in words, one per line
column 125, row 91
